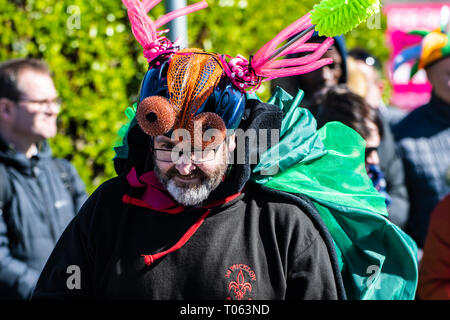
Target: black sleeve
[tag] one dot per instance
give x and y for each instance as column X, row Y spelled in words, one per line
column 68, row 271
column 17, row 279
column 311, row 276
column 395, row 179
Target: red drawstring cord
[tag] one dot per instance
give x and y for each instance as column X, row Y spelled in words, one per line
column 140, row 203
column 150, row 258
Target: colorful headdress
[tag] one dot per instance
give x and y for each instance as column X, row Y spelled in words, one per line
column 434, row 46
column 182, row 87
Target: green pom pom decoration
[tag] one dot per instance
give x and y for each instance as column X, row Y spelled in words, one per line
column 336, row 17
column 130, row 112
column 120, row 146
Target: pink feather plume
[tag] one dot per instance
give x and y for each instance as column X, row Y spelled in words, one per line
column 264, row 66
column 145, row 30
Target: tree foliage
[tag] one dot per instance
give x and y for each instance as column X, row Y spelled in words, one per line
column 98, row 65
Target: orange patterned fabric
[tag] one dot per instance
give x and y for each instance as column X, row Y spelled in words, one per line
column 192, row 76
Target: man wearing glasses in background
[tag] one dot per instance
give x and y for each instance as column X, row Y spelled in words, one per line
column 39, row 194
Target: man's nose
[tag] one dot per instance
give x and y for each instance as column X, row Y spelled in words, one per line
column 184, row 166
column 52, row 109
column 373, row 158
column 327, row 75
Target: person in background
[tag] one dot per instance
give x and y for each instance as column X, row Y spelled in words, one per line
column 364, row 78
column 341, row 104
column 423, row 136
column 371, row 85
column 39, row 194
column 314, row 84
column 434, row 270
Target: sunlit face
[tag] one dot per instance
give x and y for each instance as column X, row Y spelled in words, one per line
column 190, row 180
column 372, row 144
column 34, row 119
column 439, row 76
column 374, row 83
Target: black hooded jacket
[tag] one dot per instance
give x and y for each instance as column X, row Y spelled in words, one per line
column 263, row 244
column 36, row 208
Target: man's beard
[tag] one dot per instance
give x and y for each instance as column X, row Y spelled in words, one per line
column 191, row 194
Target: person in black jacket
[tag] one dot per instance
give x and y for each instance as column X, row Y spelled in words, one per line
column 188, row 224
column 182, row 220
column 133, row 239
column 39, row 194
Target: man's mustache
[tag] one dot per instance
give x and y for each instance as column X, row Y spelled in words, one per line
column 196, row 173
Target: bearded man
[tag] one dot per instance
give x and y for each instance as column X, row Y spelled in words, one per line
column 192, row 215
column 182, row 220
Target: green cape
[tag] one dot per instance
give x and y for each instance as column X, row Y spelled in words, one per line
column 377, row 259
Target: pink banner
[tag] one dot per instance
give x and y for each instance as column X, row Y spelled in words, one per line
column 401, row 18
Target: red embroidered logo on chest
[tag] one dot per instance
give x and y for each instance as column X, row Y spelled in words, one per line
column 240, row 285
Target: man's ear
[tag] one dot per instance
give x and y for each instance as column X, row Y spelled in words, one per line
column 6, row 109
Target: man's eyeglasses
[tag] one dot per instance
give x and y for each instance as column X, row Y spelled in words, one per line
column 197, row 156
column 44, row 104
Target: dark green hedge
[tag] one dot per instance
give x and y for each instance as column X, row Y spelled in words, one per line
column 98, row 65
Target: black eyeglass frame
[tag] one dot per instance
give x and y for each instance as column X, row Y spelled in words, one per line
column 44, row 102
column 181, row 153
